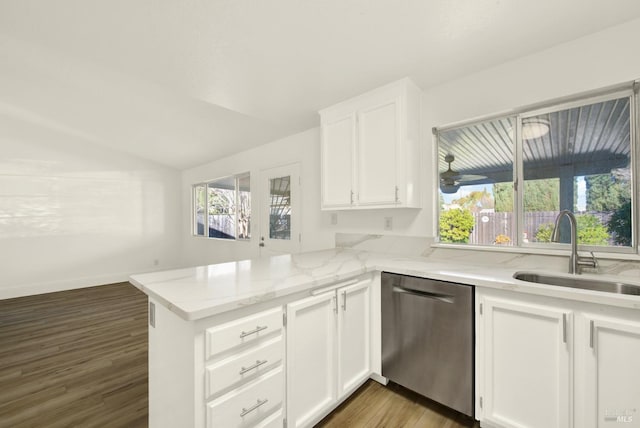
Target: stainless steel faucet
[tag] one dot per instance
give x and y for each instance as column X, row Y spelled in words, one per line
column 575, row 261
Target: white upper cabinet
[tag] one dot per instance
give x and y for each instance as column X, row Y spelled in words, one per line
column 338, row 142
column 370, row 149
column 378, row 132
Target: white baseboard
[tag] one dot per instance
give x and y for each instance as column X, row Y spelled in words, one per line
column 61, row 285
column 380, row 379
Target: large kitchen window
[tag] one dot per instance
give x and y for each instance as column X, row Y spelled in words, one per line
column 222, row 208
column 503, row 181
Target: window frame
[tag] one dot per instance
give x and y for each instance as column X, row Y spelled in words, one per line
column 194, row 221
column 629, row 90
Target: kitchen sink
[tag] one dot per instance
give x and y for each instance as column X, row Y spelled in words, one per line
column 579, row 282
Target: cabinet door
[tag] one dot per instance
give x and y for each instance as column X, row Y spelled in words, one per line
column 526, row 364
column 611, row 372
column 354, row 343
column 311, row 358
column 378, row 137
column 338, row 142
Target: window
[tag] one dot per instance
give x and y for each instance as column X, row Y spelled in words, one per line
column 476, row 182
column 222, row 208
column 575, row 156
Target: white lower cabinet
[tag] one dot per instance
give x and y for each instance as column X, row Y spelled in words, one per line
column 311, row 365
column 248, row 405
column 354, row 336
column 226, row 371
column 239, row 368
column 526, row 363
column 244, row 377
column 610, row 371
column 546, row 363
column 328, row 350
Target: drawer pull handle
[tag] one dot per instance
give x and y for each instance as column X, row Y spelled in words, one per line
column 249, row 333
column 252, row 408
column 258, row 363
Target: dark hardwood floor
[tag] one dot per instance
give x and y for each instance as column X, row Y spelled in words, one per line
column 74, row 359
column 79, row 359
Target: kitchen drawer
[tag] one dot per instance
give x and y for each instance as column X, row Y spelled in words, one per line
column 273, row 421
column 249, row 405
column 243, row 332
column 242, row 367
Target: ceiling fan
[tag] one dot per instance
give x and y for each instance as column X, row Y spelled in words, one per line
column 450, row 180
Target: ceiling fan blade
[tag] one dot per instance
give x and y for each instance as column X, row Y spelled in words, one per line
column 469, row 177
column 452, row 178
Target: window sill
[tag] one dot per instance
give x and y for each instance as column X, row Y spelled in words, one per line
column 537, row 251
column 220, row 239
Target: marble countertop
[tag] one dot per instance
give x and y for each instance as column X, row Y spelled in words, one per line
column 198, row 292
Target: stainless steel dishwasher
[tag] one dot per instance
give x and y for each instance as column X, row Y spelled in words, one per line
column 427, row 338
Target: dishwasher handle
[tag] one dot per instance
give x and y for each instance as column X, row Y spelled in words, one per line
column 426, row 294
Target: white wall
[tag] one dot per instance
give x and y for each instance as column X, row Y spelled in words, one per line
column 73, row 214
column 596, row 61
column 303, row 148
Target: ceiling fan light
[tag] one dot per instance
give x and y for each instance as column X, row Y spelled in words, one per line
column 534, row 127
column 449, row 188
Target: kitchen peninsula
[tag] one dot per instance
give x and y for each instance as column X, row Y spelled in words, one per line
column 209, row 321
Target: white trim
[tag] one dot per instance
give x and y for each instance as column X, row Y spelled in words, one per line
column 525, row 110
column 534, row 251
column 236, row 181
column 627, row 89
column 63, row 285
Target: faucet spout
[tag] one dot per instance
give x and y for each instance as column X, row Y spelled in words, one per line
column 574, row 260
column 555, row 237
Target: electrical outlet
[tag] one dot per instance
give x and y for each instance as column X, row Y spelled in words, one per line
column 388, row 223
column 334, row 218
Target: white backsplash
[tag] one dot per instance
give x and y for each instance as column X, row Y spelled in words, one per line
column 412, row 246
column 409, row 246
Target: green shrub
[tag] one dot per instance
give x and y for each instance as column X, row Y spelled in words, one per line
column 456, row 225
column 543, row 234
column 620, row 224
column 590, row 231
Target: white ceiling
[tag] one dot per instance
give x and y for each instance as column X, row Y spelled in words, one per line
column 185, row 82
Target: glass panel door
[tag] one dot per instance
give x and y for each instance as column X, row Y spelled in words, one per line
column 280, row 228
column 280, row 208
